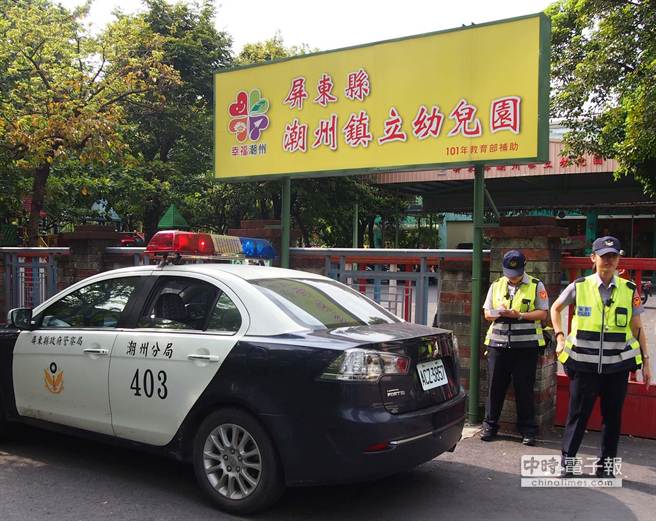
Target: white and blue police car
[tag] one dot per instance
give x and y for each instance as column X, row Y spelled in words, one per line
column 261, row 377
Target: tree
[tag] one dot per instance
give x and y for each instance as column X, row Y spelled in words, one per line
column 171, row 136
column 62, row 89
column 323, row 209
column 269, row 50
column 12, row 187
column 603, row 70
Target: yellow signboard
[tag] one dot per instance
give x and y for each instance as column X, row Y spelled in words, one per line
column 478, row 94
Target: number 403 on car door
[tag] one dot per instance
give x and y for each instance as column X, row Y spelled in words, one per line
column 145, row 384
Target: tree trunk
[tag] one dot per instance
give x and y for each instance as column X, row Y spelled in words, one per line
column 152, row 210
column 305, row 236
column 151, row 218
column 39, row 180
column 276, row 201
column 370, row 229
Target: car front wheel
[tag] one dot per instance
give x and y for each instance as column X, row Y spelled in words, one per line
column 236, row 463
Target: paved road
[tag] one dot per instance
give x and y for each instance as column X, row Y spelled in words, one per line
column 45, row 476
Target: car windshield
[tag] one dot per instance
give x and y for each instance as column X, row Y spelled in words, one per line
column 320, row 304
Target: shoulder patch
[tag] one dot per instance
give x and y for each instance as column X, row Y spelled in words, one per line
column 579, row 280
column 543, row 295
column 632, row 285
column 636, row 301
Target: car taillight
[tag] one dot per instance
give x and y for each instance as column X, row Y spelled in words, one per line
column 363, row 365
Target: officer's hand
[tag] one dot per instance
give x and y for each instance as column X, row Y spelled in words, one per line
column 560, row 345
column 509, row 313
column 646, row 373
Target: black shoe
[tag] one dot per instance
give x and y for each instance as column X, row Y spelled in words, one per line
column 602, row 473
column 488, row 435
column 563, row 466
column 529, row 440
column 605, row 468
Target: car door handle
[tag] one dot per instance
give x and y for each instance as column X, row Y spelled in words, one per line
column 204, row 358
column 94, row 351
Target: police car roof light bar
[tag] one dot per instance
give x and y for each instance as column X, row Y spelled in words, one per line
column 208, row 246
column 174, row 241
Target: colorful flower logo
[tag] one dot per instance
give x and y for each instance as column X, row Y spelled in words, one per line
column 248, row 115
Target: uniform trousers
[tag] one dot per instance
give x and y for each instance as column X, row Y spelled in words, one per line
column 518, row 365
column 584, row 387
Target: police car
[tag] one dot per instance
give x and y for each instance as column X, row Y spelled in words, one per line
column 260, row 377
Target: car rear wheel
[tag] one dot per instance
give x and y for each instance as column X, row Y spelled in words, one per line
column 236, row 463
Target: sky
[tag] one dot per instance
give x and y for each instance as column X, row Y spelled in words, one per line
column 333, row 24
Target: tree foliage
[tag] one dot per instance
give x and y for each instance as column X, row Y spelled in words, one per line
column 269, row 50
column 603, row 71
column 126, row 116
column 323, row 209
column 63, row 90
column 172, row 129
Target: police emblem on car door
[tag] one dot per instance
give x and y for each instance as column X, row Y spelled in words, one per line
column 74, row 337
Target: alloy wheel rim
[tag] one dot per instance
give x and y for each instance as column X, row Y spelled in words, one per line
column 232, row 461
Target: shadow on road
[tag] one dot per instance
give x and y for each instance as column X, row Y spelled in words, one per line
column 47, row 475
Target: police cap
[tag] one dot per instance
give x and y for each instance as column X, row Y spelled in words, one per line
column 608, row 244
column 513, row 263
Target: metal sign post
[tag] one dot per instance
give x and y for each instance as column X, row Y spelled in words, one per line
column 477, row 268
column 356, row 220
column 286, row 221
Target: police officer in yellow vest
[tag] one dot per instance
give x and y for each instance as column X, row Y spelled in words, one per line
column 605, row 342
column 516, row 304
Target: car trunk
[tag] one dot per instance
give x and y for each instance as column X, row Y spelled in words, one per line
column 433, row 374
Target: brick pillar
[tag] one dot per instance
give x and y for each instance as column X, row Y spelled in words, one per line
column 455, row 314
column 539, row 240
column 87, row 256
column 268, row 229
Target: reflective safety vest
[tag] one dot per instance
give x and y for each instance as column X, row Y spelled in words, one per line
column 586, row 349
column 512, row 332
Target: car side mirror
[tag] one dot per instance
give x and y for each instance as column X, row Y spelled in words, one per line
column 20, row 318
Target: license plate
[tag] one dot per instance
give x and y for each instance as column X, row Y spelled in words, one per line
column 432, row 374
